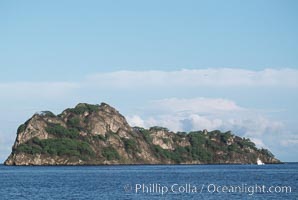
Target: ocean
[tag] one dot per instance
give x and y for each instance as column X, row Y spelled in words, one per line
column 150, row 182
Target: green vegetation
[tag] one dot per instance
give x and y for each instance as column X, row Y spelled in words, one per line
column 179, row 137
column 165, row 140
column 110, row 153
column 196, row 139
column 224, row 137
column 179, row 155
column 99, row 137
column 57, row 146
column 158, row 128
column 48, row 114
column 28, row 148
column 266, row 152
column 67, row 143
column 60, row 131
column 130, row 146
column 233, row 147
column 84, row 107
column 245, row 142
column 21, row 128
column 204, row 147
column 74, row 122
column 198, row 148
column 146, row 135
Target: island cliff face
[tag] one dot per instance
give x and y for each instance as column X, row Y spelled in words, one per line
column 99, row 134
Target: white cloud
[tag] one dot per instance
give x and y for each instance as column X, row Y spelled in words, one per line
column 259, row 143
column 37, row 89
column 247, row 127
column 256, row 125
column 171, row 122
column 187, row 114
column 222, row 77
column 194, row 105
column 213, row 113
column 198, row 122
column 135, row 120
column 289, row 140
column 156, row 80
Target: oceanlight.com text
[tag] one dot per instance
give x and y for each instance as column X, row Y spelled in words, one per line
column 162, row 189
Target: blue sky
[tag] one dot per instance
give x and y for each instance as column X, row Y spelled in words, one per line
column 141, row 56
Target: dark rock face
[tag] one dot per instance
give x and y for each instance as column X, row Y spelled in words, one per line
column 99, row 134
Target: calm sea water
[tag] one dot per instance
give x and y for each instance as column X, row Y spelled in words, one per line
column 149, row 182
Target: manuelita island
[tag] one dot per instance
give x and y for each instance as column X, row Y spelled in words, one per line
column 100, row 135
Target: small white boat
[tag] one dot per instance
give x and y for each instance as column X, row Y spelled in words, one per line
column 259, row 162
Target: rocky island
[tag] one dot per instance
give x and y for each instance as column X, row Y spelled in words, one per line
column 99, row 134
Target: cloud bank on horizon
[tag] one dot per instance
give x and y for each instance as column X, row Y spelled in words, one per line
column 224, row 77
column 261, row 105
